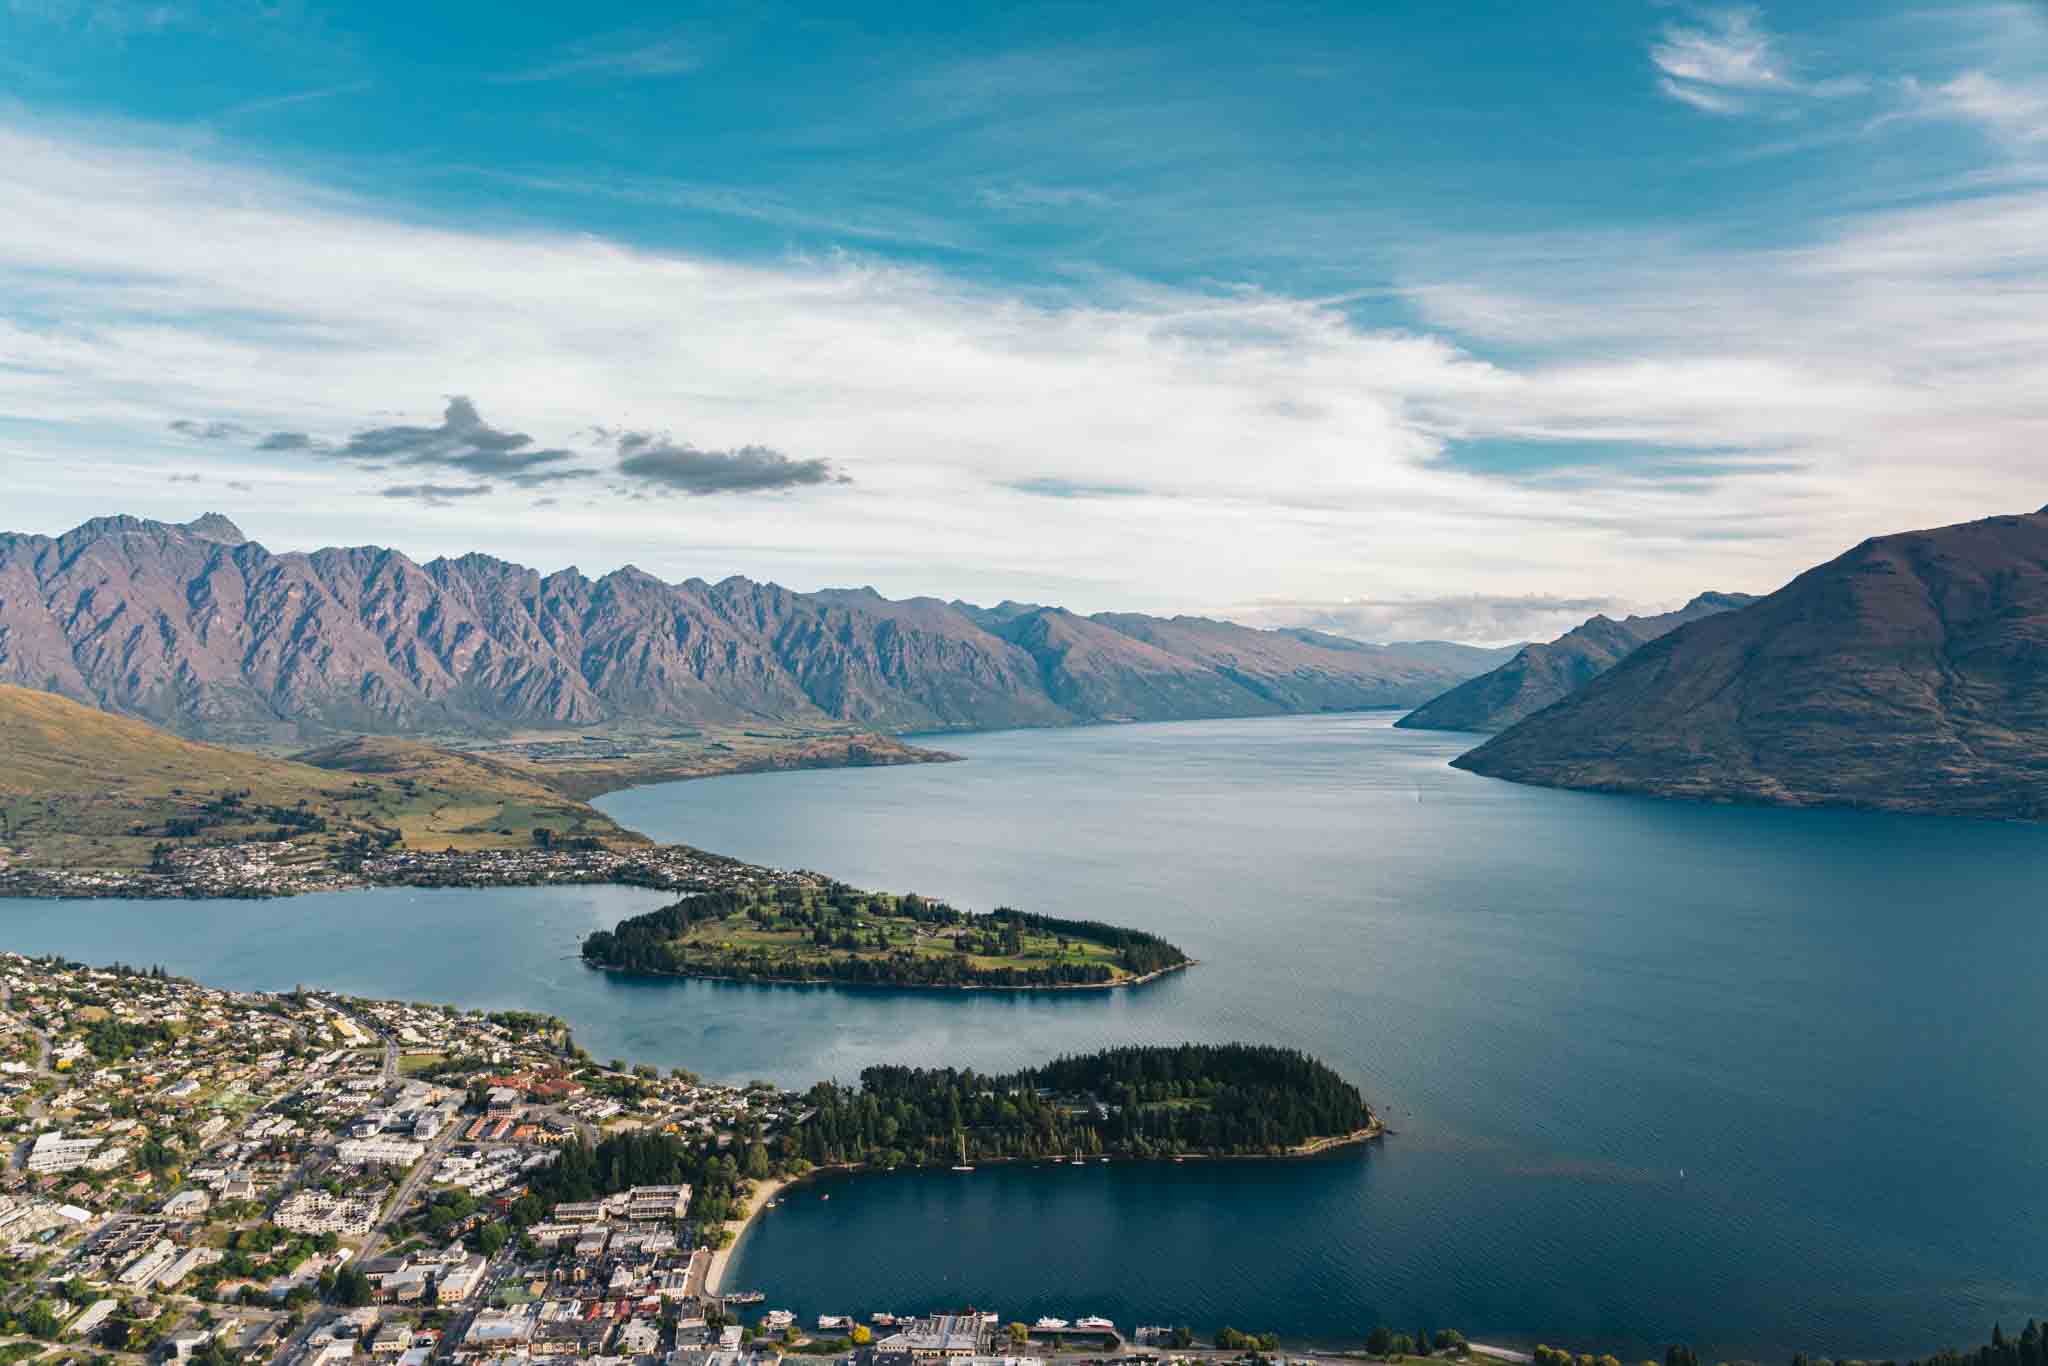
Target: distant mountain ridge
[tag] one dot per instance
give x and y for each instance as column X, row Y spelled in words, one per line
column 1540, row 675
column 1908, row 674
column 201, row 630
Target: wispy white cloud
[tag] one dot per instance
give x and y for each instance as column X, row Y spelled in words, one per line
column 271, row 104
column 1727, row 62
column 1027, row 196
column 1729, row 51
column 630, row 53
column 887, row 223
column 2008, row 109
column 108, row 18
column 1702, row 97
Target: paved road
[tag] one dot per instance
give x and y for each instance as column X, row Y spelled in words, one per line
column 408, row 1188
column 396, row 1206
column 37, row 1110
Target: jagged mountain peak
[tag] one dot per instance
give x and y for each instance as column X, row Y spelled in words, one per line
column 159, row 621
column 215, row 526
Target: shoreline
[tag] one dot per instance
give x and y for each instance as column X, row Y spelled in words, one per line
column 589, row 783
column 889, row 986
column 769, row 1188
column 764, row 1190
column 669, row 869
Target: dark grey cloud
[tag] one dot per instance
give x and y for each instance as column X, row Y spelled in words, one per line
column 185, row 479
column 651, row 463
column 435, row 495
column 462, row 442
column 658, row 463
column 209, row 431
column 291, row 441
column 465, row 442
column 1050, row 487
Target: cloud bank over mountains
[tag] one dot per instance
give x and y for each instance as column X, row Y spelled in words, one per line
column 1556, row 412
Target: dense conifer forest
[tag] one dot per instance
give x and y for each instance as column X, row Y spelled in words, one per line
column 1133, row 1102
column 641, row 1158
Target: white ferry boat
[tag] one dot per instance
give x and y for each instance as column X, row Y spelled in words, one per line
column 1051, row 1323
column 1097, row 1322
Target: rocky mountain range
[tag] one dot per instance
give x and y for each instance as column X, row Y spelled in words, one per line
column 1542, row 674
column 203, row 631
column 1909, row 674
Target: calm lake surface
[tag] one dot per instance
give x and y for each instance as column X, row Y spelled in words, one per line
column 1762, row 1081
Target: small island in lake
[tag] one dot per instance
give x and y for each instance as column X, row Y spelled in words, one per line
column 1181, row 1100
column 834, row 933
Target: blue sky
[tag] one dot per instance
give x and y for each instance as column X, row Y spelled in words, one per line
column 1398, row 319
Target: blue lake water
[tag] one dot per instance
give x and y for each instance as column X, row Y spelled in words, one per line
column 1757, row 1080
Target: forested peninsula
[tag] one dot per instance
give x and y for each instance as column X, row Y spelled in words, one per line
column 1185, row 1100
column 832, row 933
column 1156, row 1102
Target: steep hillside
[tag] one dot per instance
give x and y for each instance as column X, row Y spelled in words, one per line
column 1284, row 671
column 1909, row 674
column 200, row 630
column 1542, row 674
column 81, row 787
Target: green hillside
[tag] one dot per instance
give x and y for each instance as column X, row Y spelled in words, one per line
column 80, row 787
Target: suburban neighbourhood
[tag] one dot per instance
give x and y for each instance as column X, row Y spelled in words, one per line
column 272, row 868
column 306, row 1179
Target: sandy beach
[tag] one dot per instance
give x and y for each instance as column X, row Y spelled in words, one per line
column 764, row 1191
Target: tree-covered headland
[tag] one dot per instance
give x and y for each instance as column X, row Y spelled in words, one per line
column 840, row 934
column 1187, row 1099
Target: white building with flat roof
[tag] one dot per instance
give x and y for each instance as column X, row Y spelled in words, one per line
column 141, row 1273
column 390, row 1152
column 55, row 1153
column 88, row 1323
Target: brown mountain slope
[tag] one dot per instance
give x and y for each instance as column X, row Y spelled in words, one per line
column 1543, row 674
column 1282, row 671
column 207, row 633
column 80, row 787
column 54, row 749
column 1910, row 674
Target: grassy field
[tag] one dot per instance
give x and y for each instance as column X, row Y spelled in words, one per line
column 878, row 932
column 83, row 788
column 607, row 759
